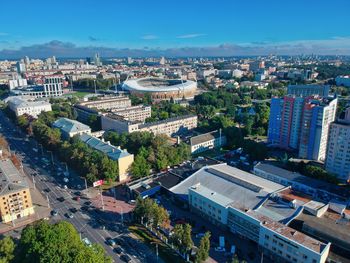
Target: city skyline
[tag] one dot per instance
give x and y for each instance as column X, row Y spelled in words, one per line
column 228, row 28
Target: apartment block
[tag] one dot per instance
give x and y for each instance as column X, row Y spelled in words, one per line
column 302, row 124
column 170, row 127
column 108, row 103
column 15, row 198
column 338, row 150
column 134, row 113
column 21, row 106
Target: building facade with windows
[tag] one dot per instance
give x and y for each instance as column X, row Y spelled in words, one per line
column 243, row 203
column 338, row 149
column 21, row 106
column 15, row 197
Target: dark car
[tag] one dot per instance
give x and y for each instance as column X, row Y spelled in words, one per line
column 84, row 208
column 118, row 250
column 125, row 258
column 61, row 199
column 78, row 193
column 87, row 203
column 54, row 213
column 47, row 190
column 73, row 210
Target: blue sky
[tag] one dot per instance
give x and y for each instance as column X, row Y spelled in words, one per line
column 176, row 24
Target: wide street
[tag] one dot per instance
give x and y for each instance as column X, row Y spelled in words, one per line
column 90, row 222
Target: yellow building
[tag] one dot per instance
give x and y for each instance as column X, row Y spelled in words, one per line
column 123, row 158
column 15, row 198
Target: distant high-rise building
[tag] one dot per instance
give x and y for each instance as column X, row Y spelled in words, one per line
column 130, row 60
column 308, row 90
column 26, row 60
column 162, row 61
column 21, row 67
column 338, row 148
column 301, row 123
column 97, row 60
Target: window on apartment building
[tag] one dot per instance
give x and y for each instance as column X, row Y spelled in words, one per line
column 280, row 244
column 267, row 237
column 274, row 241
column 304, row 257
column 288, row 256
column 274, row 249
column 314, row 261
column 294, row 260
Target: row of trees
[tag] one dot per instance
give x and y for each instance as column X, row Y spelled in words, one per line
column 56, row 243
column 152, row 152
column 152, row 215
column 91, row 164
column 167, row 109
column 312, row 171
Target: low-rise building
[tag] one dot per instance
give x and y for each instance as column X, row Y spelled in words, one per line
column 16, row 201
column 170, row 127
column 123, row 158
column 316, row 188
column 108, row 103
column 70, row 128
column 207, row 141
column 21, row 106
column 247, row 205
column 134, row 113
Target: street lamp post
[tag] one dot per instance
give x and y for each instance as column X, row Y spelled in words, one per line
column 52, row 161
column 85, row 183
column 103, row 205
column 48, row 201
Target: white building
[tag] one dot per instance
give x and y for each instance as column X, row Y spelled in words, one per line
column 170, row 127
column 338, row 150
column 21, row 106
column 207, row 141
column 240, row 202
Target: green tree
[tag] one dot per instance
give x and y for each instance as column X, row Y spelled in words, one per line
column 140, row 167
column 56, row 243
column 203, row 249
column 7, row 248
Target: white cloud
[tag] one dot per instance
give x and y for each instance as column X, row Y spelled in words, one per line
column 191, row 35
column 3, row 34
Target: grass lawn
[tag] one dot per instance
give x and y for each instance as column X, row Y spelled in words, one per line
column 78, row 94
column 165, row 252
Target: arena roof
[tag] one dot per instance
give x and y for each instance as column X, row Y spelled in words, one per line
column 158, row 84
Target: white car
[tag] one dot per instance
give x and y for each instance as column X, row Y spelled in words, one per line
column 65, row 179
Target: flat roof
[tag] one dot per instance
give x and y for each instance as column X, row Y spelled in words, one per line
column 244, row 189
column 290, row 233
column 167, row 120
column 329, row 226
column 302, row 179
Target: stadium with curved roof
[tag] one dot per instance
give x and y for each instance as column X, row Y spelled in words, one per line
column 161, row 89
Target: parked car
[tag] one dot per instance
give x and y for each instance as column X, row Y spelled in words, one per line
column 220, row 249
column 54, row 213
column 125, row 258
column 111, row 242
column 118, row 250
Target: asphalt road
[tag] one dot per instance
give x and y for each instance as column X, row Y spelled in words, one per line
column 90, row 222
